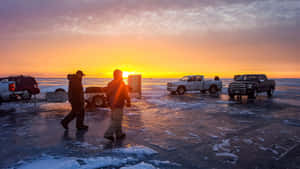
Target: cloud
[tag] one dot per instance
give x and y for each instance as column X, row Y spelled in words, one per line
column 143, row 17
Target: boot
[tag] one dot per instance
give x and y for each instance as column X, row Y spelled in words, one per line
column 65, row 126
column 83, row 127
column 121, row 136
column 111, row 138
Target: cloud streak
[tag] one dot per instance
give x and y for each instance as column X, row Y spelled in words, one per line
column 145, row 17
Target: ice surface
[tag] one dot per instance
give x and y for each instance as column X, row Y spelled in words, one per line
column 88, row 146
column 243, row 112
column 225, row 102
column 227, row 155
column 98, row 162
column 141, row 165
column 247, row 141
column 158, row 163
column 213, row 136
column 18, row 107
column 163, row 145
column 51, row 163
column 136, row 150
column 292, row 122
column 170, row 133
column 261, row 139
column 222, row 146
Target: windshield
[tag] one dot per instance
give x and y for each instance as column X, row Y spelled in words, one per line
column 185, row 78
column 246, row 78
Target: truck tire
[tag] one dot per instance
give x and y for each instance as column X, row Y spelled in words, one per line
column 26, row 95
column 98, row 101
column 181, row 90
column 213, row 89
column 270, row 92
column 231, row 95
column 60, row 90
column 253, row 95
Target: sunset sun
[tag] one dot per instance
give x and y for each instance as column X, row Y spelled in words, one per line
column 126, row 74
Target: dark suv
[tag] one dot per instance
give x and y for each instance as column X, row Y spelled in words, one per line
column 250, row 85
column 25, row 86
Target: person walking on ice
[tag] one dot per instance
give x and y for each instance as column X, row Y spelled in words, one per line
column 117, row 94
column 76, row 98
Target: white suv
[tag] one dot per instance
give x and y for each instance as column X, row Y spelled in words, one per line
column 195, row 83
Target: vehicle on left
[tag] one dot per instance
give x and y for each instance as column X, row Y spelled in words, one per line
column 18, row 87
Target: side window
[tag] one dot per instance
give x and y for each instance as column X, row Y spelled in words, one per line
column 262, row 77
column 198, row 78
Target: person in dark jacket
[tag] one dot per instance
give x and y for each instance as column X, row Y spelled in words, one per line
column 76, row 98
column 117, row 94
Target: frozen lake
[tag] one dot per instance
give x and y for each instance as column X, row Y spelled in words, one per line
column 163, row 131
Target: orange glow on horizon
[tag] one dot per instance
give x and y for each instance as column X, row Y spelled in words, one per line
column 153, row 58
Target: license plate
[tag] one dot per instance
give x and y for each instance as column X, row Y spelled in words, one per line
column 237, row 91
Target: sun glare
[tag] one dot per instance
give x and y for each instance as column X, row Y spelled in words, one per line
column 126, row 74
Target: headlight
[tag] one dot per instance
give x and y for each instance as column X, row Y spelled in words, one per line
column 249, row 86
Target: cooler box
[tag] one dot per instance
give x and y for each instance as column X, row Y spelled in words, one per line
column 135, row 84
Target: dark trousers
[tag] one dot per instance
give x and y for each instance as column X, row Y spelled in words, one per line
column 76, row 112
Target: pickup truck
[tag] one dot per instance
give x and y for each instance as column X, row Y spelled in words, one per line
column 24, row 87
column 194, row 83
column 7, row 89
column 251, row 85
column 96, row 97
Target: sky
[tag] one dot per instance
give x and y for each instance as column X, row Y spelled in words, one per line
column 155, row 38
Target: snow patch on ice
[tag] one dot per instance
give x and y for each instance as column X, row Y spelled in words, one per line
column 132, row 114
column 88, row 146
column 292, row 122
column 248, row 141
column 194, row 135
column 213, row 136
column 261, row 139
column 136, row 150
column 158, row 163
column 170, row 133
column 227, row 155
column 98, row 162
column 141, row 165
column 50, row 162
column 225, row 102
column 222, row 146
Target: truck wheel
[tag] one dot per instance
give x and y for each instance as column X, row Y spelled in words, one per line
column 270, row 92
column 98, row 101
column 26, row 95
column 181, row 90
column 213, row 89
column 253, row 94
column 231, row 95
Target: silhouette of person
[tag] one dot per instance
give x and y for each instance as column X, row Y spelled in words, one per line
column 117, row 94
column 76, row 98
